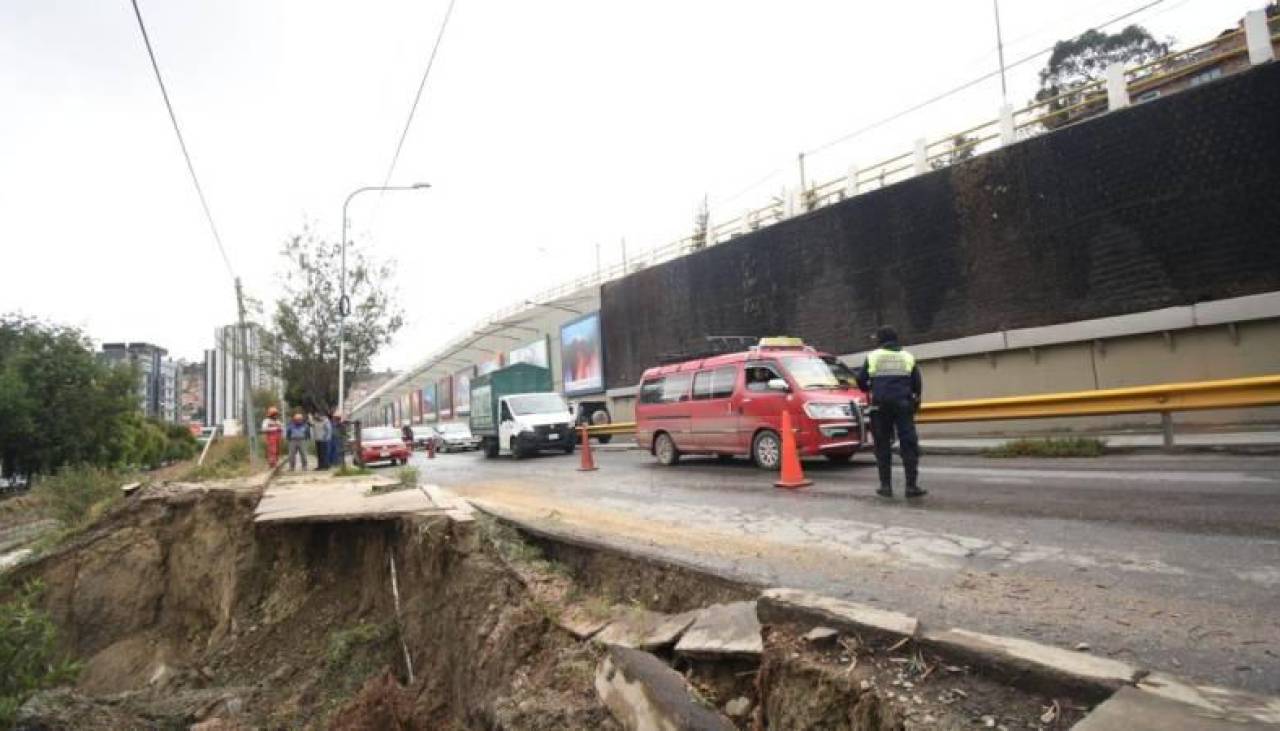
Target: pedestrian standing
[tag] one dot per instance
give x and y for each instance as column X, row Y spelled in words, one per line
column 273, row 430
column 320, row 431
column 337, row 440
column 893, row 380
column 298, row 433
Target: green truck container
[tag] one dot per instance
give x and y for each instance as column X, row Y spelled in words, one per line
column 536, row 422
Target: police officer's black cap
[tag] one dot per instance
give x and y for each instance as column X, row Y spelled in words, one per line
column 886, row 334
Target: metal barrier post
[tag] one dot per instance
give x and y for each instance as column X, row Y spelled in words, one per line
column 1166, row 427
column 1258, row 37
column 1117, row 87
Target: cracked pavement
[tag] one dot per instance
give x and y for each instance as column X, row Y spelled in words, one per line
column 1171, row 562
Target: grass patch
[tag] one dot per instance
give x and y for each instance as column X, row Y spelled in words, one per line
column 227, row 458
column 78, row 496
column 347, row 470
column 408, row 476
column 29, row 646
column 1050, row 447
column 343, row 643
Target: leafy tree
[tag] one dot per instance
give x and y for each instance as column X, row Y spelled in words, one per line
column 1084, row 59
column 306, row 319
column 701, row 225
column 58, row 403
column 29, row 647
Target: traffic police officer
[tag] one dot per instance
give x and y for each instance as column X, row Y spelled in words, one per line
column 893, row 380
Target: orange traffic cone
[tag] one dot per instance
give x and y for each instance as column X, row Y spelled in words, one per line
column 792, row 475
column 588, row 462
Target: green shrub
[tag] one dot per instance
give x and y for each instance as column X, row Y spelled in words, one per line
column 347, row 470
column 1050, row 447
column 227, row 458
column 343, row 642
column 29, row 648
column 408, row 476
column 77, row 496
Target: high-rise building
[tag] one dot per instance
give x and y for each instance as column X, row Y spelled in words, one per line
column 224, row 376
column 158, row 380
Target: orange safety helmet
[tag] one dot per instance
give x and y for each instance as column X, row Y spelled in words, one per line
column 273, row 411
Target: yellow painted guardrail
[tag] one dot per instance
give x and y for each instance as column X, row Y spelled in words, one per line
column 1164, row 398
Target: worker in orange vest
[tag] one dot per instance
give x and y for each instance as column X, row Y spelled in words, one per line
column 272, row 427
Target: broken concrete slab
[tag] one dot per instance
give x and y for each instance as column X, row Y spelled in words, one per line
column 795, row 605
column 1033, row 665
column 326, row 499
column 581, row 624
column 644, row 694
column 646, row 630
column 455, row 507
column 723, row 630
column 1133, row 709
column 1233, row 705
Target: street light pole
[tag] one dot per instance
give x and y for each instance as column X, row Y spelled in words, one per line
column 344, row 306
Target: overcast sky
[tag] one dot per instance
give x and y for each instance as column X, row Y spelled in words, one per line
column 546, row 128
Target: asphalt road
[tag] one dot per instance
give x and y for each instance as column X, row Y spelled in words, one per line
column 1170, row 562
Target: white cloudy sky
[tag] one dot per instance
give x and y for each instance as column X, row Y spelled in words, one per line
column 546, row 128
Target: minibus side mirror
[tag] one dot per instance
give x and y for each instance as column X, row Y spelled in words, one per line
column 778, row 384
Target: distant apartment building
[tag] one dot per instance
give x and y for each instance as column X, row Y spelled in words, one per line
column 158, row 377
column 191, row 393
column 224, row 371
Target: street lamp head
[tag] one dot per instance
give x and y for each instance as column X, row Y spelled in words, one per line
column 420, row 186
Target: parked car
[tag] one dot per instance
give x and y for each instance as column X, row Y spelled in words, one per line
column 382, row 444
column 731, row 404
column 424, row 435
column 456, row 437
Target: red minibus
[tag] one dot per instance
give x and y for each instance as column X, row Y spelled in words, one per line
column 732, row 404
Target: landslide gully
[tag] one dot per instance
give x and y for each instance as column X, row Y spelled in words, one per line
column 183, row 612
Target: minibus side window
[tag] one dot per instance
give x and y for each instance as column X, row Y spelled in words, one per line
column 758, row 376
column 702, row 385
column 722, row 381
column 675, row 387
column 651, row 391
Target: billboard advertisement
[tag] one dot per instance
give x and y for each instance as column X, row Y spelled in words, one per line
column 536, row 353
column 444, row 396
column 581, row 356
column 462, row 392
column 429, row 402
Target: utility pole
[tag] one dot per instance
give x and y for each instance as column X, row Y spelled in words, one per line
column 624, row 256
column 802, row 181
column 247, row 405
column 1004, row 89
column 597, row 260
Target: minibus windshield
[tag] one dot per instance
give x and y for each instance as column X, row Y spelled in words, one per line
column 810, row 371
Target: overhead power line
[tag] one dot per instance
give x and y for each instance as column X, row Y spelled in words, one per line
column 417, row 97
column 968, row 84
column 177, row 130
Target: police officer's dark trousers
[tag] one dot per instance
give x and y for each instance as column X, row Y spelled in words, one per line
column 896, row 417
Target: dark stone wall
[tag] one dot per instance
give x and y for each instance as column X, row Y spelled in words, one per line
column 1166, row 203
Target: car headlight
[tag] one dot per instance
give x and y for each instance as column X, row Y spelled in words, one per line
column 818, row 410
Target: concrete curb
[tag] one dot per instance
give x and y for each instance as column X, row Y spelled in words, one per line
column 795, row 605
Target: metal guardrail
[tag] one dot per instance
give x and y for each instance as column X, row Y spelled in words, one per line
column 1163, row 399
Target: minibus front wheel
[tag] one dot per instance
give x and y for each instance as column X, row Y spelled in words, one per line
column 766, row 450
column 664, row 448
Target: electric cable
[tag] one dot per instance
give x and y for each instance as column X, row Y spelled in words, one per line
column 191, row 168
column 395, row 158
